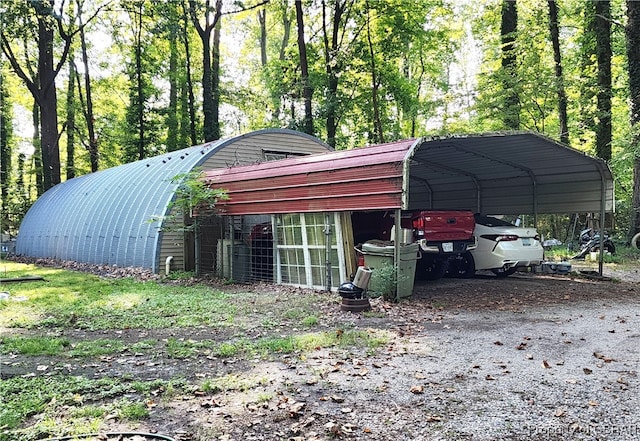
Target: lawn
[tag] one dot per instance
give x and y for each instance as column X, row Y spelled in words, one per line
column 56, row 333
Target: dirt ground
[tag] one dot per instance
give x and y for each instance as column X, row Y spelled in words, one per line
column 529, row 357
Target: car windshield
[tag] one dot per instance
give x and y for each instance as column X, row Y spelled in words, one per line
column 490, row 221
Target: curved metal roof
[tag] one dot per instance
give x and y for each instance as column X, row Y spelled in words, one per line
column 495, row 173
column 106, row 217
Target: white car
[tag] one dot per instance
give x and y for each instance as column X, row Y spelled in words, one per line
column 502, row 248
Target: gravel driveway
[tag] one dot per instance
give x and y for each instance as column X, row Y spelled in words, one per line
column 527, row 358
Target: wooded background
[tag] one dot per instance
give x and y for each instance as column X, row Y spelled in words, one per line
column 91, row 84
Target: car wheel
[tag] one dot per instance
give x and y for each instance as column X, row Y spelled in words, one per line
column 431, row 269
column 635, row 241
column 464, row 267
column 504, row 272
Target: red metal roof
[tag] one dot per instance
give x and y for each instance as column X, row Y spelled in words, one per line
column 368, row 178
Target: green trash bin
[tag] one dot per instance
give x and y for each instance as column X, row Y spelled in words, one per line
column 379, row 255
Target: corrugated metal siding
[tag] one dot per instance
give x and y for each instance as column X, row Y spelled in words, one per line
column 359, row 179
column 104, row 217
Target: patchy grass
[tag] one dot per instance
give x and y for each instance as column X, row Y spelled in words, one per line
column 75, row 405
column 68, row 299
column 78, row 319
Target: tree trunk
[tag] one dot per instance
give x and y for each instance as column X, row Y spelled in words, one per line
column 5, row 147
column 605, row 93
column 190, row 101
column 562, row 95
column 48, row 102
column 307, row 90
column 71, row 118
column 378, row 133
column 37, row 154
column 207, row 75
column 215, row 75
column 330, row 54
column 633, row 55
column 262, row 20
column 89, row 116
column 172, row 117
column 508, row 32
column 140, row 87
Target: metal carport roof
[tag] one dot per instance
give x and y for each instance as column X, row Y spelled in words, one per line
column 494, row 173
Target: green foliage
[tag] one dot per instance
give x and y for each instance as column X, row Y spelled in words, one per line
column 193, row 195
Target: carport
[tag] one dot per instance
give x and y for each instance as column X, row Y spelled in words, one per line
column 494, row 173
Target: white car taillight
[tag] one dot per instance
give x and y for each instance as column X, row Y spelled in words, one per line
column 500, row 237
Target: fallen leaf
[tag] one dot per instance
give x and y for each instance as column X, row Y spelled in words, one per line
column 433, row 418
column 560, row 412
column 602, row 357
column 489, row 377
column 417, row 389
column 587, row 371
column 346, row 410
column 295, row 410
column 337, row 399
column 593, row 403
column 545, row 364
column 529, row 356
column 521, row 346
column 498, row 343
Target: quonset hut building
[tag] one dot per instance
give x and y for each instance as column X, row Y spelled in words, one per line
column 107, row 217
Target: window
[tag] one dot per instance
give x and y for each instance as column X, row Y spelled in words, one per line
column 301, row 245
column 273, row 155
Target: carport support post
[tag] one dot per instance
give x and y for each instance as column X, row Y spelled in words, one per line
column 603, row 195
column 327, row 241
column 396, row 247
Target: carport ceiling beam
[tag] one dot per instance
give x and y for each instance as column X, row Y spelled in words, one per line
column 457, row 171
column 526, row 170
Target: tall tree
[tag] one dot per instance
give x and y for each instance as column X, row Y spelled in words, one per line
column 173, row 25
column 71, row 117
column 378, row 132
column 604, row 93
column 42, row 86
column 508, row 33
column 212, row 16
column 37, row 154
column 554, row 32
column 333, row 66
column 39, row 21
column 89, row 115
column 307, row 90
column 632, row 32
column 6, row 115
column 188, row 113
